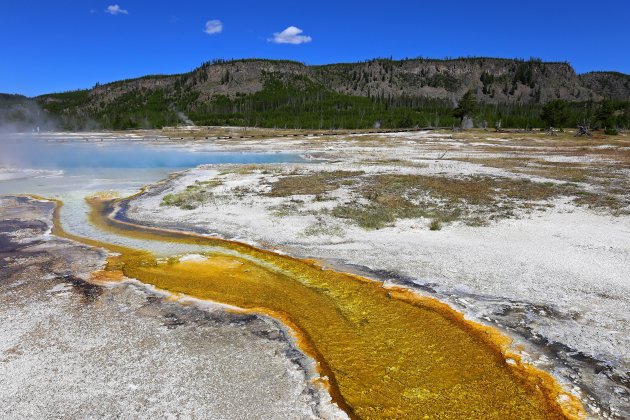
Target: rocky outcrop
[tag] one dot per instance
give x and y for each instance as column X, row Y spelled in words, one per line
column 611, row 85
column 494, row 80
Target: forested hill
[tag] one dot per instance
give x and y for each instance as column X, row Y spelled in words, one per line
column 355, row 95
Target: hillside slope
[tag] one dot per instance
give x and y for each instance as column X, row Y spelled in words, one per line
column 353, row 95
column 611, row 85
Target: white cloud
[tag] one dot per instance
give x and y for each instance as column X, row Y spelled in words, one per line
column 291, row 35
column 114, row 9
column 213, row 26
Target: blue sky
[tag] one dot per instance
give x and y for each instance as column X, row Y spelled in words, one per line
column 61, row 45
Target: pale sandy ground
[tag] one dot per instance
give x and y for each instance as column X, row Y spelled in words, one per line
column 69, row 349
column 558, row 280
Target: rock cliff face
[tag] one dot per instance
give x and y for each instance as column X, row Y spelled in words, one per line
column 494, row 80
column 611, row 85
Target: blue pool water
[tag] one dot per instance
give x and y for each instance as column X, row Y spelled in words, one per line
column 68, row 155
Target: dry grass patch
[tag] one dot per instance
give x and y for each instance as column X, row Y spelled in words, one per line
column 286, row 209
column 498, row 162
column 569, row 174
column 312, row 184
column 321, row 228
column 394, row 162
column 475, row 190
column 561, row 171
column 192, row 196
column 248, row 170
column 475, row 200
column 603, row 201
column 380, row 187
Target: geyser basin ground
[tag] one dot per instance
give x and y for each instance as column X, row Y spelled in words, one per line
column 385, row 352
column 535, row 234
column 72, row 349
column 284, row 219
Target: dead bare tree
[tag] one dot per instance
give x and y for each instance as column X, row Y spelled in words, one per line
column 552, row 131
column 583, row 131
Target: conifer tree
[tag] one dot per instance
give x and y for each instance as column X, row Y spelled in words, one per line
column 467, row 105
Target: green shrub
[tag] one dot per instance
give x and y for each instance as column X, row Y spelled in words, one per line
column 435, row 224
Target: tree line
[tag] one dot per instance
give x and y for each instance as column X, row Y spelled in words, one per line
column 608, row 115
column 301, row 104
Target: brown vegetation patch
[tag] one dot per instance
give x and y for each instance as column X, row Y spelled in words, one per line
column 474, row 200
column 248, row 169
column 498, row 162
column 394, row 162
column 192, row 196
column 312, row 184
column 603, row 201
column 562, row 171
